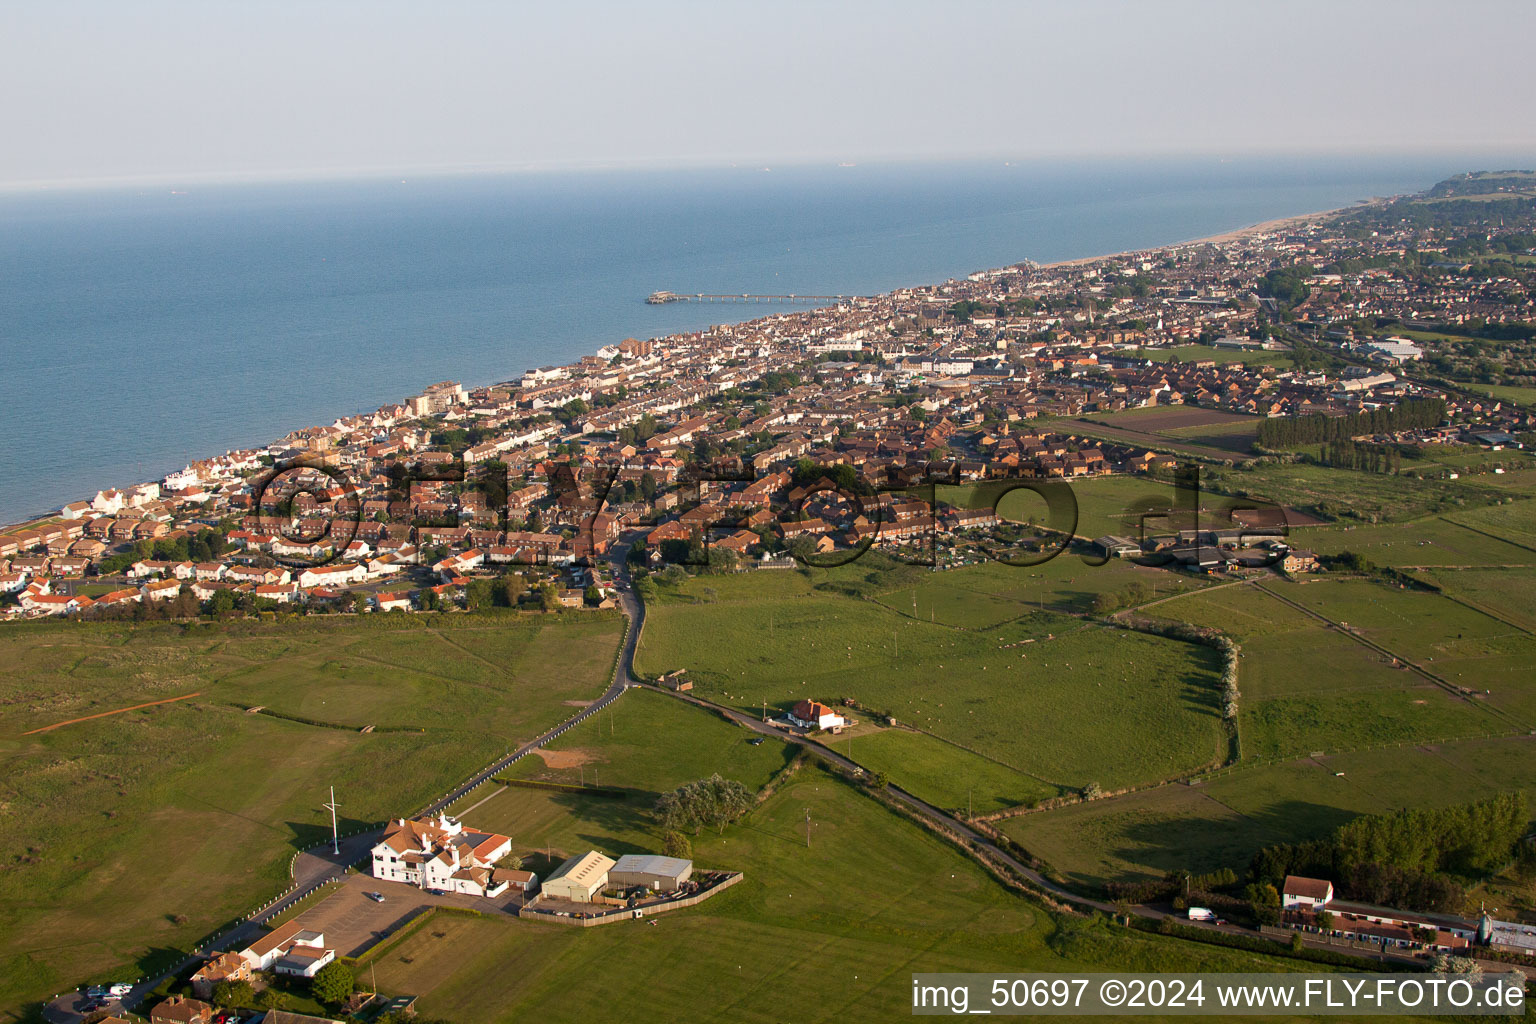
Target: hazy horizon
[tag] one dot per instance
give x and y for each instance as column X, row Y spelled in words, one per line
column 172, row 90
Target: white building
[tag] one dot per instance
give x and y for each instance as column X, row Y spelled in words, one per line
column 440, row 853
column 1300, row 893
column 810, row 714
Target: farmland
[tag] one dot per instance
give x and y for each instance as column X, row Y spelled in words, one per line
column 1223, row 821
column 1316, row 701
column 200, row 805
column 1012, row 692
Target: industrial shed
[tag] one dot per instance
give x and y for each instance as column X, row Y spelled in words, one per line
column 580, row 878
column 663, row 874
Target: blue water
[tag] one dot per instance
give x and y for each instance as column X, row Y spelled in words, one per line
column 143, row 328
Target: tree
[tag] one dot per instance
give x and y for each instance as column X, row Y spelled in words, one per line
column 715, row 802
column 1297, row 942
column 1324, row 919
column 1092, row 791
column 271, row 999
column 232, row 995
column 647, row 485
column 334, row 983
column 1264, row 901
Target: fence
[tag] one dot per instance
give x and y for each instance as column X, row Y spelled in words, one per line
column 529, row 911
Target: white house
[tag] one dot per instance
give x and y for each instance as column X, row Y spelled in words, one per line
column 440, row 853
column 108, row 501
column 386, row 602
column 810, row 714
column 1300, row 893
column 330, row 575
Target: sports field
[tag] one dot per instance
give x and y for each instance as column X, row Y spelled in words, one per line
column 128, row 838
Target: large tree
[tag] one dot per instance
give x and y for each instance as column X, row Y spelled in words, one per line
column 713, row 802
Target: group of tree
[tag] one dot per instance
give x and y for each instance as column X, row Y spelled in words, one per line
column 1410, row 859
column 1409, row 414
column 639, row 432
column 205, row 545
column 1366, row 458
column 1287, row 285
column 714, row 802
column 1106, row 601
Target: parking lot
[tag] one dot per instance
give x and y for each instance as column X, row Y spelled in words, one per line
column 351, row 922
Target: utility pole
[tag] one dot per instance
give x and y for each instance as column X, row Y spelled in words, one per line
column 967, row 803
column 807, row 828
column 335, row 839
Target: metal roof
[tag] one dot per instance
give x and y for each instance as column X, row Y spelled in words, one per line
column 652, row 864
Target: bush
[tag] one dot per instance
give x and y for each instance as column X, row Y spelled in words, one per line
column 675, row 844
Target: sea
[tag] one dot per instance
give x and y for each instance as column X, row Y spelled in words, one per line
column 144, row 327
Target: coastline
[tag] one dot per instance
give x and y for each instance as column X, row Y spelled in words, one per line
column 1232, row 235
column 1235, row 235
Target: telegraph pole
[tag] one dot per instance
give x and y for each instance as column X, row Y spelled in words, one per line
column 807, row 828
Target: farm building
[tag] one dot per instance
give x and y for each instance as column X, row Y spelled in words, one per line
column 580, row 878
column 663, row 874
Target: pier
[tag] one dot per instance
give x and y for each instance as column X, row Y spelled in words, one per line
column 662, row 298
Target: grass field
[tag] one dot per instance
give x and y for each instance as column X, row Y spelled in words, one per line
column 1514, row 522
column 1436, row 541
column 943, row 775
column 125, row 839
column 987, row 595
column 1174, row 425
column 1224, row 821
column 1347, row 494
column 869, row 900
column 1307, row 687
column 1509, row 393
column 1015, row 692
column 1509, row 594
column 1194, row 353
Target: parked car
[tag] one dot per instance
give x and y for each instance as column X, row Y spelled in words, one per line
column 119, row 990
column 437, row 892
column 377, row 897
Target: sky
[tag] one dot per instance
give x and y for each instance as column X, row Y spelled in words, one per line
column 100, row 90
